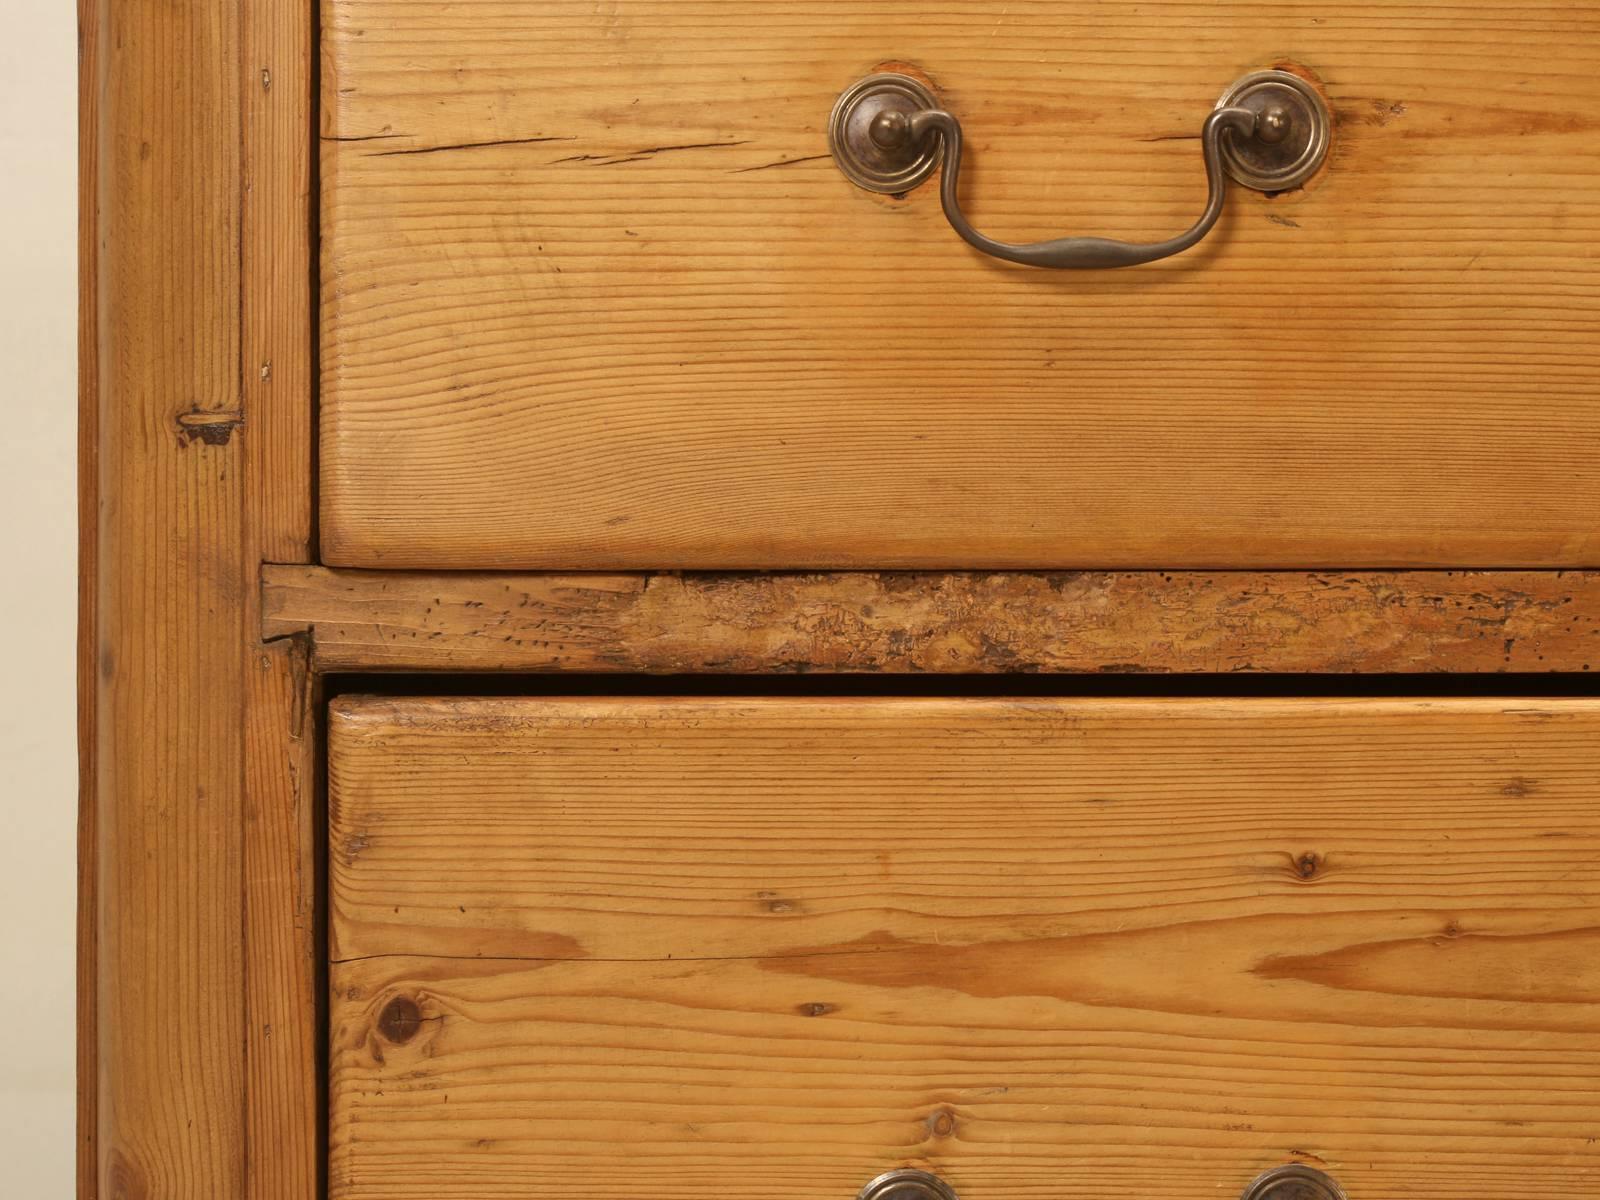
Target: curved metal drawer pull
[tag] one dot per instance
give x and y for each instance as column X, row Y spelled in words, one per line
column 1074, row 252
column 1269, row 131
column 1293, row 1182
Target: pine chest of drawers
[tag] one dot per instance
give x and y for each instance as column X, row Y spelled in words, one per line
column 802, row 600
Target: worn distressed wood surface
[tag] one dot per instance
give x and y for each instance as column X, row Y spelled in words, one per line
column 596, row 297
column 1458, row 621
column 200, row 976
column 1072, row 948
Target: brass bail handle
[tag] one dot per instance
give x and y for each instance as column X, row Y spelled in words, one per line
column 1293, row 1182
column 1270, row 131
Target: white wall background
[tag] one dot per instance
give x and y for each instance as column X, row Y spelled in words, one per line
column 38, row 599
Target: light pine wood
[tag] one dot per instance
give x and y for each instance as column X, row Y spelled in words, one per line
column 168, row 623
column 277, row 330
column 199, row 975
column 283, row 941
column 594, row 295
column 963, row 623
column 1074, row 948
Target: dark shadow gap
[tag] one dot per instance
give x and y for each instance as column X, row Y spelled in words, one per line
column 955, row 686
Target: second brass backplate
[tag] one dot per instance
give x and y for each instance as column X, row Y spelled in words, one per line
column 1293, row 1182
column 907, row 1183
column 1277, row 166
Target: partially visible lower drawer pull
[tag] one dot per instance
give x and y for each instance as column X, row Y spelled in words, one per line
column 1269, row 131
column 1294, row 1182
column 907, row 1184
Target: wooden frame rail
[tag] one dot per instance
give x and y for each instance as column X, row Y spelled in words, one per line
column 199, row 955
column 941, row 622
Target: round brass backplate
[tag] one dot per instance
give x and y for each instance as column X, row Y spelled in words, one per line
column 1294, row 1182
column 879, row 164
column 907, row 1184
column 1293, row 129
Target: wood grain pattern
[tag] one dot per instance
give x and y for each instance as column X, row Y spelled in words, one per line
column 168, row 621
column 283, row 944
column 277, row 329
column 1067, row 948
column 199, row 977
column 945, row 623
column 595, row 297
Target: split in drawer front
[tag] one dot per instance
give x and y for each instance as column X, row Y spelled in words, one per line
column 596, row 296
column 1108, row 948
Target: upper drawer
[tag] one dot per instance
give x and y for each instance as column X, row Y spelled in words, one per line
column 596, row 295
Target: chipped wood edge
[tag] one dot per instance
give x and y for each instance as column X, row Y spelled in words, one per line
column 1111, row 622
column 197, row 755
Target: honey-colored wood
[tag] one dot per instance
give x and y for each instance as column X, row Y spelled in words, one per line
column 283, row 945
column 1075, row 948
column 596, row 297
column 282, row 938
column 1458, row 621
column 199, row 973
column 277, row 379
column 168, row 625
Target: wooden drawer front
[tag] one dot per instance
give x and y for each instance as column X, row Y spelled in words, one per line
column 596, row 296
column 1096, row 949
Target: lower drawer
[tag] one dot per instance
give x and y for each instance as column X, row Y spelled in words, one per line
column 1044, row 949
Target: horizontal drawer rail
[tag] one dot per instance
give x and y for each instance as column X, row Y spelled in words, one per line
column 944, row 623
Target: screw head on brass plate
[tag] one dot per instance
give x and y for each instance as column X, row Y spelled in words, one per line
column 1293, row 130
column 867, row 133
column 907, row 1184
column 1294, row 1182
